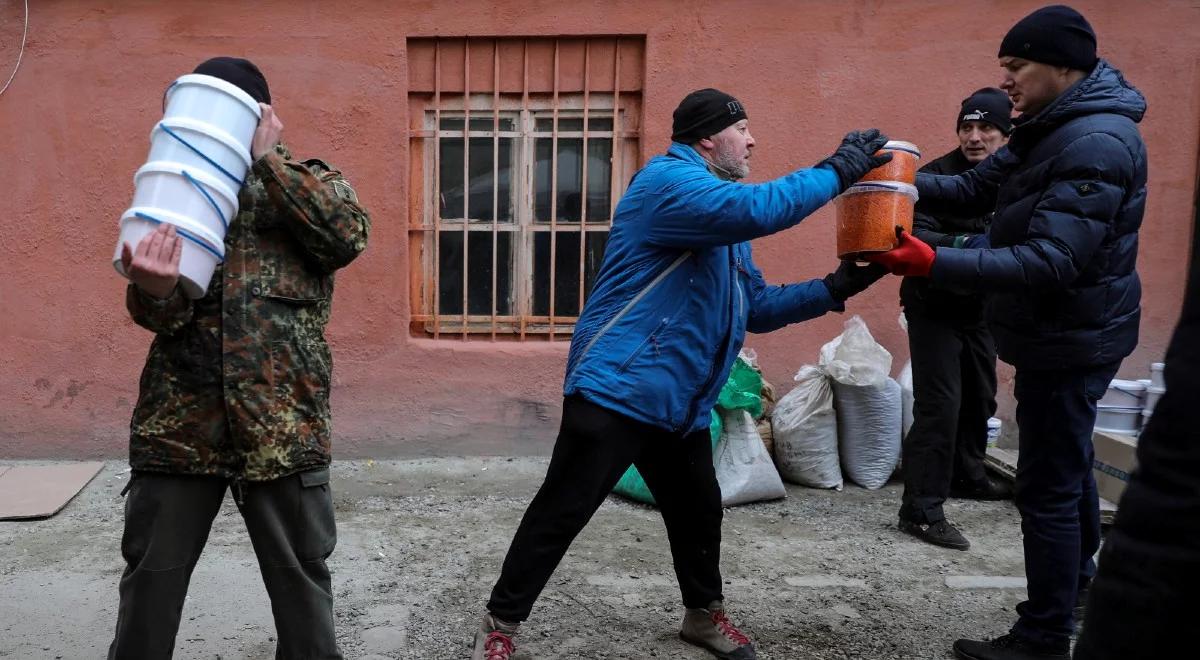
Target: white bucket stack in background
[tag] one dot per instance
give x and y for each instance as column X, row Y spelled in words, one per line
column 1155, row 388
column 1120, row 410
column 1128, row 404
column 199, row 156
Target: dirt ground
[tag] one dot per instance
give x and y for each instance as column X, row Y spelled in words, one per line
column 819, row 575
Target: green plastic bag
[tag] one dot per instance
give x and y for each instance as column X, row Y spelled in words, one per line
column 742, row 391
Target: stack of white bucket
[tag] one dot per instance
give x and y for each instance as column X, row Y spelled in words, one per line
column 1128, row 404
column 199, row 156
column 1155, row 388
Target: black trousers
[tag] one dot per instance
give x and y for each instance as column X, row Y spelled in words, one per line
column 167, row 521
column 1056, row 493
column 954, row 394
column 594, row 448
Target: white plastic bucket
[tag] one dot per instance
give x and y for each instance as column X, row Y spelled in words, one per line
column 216, row 102
column 1124, row 393
column 200, row 146
column 197, row 195
column 1119, row 419
column 1153, row 394
column 1156, row 375
column 201, row 250
column 993, row 431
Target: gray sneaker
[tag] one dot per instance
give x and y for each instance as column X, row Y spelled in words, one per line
column 494, row 641
column 710, row 629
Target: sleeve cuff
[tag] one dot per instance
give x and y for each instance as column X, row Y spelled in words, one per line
column 148, row 301
column 954, row 267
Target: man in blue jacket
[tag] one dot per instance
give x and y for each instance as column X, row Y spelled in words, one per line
column 675, row 295
column 1068, row 191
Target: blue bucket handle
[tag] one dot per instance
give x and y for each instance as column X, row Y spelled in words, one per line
column 184, row 233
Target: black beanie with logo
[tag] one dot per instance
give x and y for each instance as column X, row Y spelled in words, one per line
column 704, row 113
column 240, row 73
column 1056, row 35
column 989, row 105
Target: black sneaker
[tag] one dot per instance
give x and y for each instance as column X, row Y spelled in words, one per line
column 987, row 489
column 1010, row 647
column 1080, row 609
column 939, row 533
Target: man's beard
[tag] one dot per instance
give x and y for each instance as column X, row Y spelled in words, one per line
column 736, row 166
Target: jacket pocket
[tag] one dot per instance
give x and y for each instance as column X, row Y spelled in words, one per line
column 651, row 340
column 284, row 274
column 300, row 382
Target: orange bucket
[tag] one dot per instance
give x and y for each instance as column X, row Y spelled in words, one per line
column 868, row 214
column 902, row 167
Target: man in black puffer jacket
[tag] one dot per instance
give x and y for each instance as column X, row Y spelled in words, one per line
column 953, row 355
column 1069, row 191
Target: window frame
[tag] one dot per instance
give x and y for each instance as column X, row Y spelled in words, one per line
column 527, row 109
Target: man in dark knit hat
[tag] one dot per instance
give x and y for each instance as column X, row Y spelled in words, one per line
column 235, row 396
column 675, row 296
column 1068, row 191
column 953, row 355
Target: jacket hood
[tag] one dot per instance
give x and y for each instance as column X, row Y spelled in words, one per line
column 1104, row 90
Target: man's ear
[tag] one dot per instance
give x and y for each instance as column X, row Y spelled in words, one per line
column 706, row 143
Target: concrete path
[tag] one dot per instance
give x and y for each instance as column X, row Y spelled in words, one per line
column 820, row 575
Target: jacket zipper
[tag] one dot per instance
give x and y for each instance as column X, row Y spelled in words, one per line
column 712, row 365
column 629, row 305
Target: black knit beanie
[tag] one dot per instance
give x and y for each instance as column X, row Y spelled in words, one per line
column 990, row 105
column 239, row 72
column 704, row 113
column 1056, row 35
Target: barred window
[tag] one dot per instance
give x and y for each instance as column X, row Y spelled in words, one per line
column 517, row 181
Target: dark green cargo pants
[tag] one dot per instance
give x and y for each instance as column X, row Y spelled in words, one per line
column 167, row 521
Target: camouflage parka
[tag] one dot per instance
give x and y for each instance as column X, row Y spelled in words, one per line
column 237, row 383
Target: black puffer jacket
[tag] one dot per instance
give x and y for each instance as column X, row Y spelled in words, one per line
column 1069, row 192
column 939, row 228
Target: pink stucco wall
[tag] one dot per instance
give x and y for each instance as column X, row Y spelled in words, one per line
column 74, row 127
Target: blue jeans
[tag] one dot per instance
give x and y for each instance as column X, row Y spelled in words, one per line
column 1056, row 494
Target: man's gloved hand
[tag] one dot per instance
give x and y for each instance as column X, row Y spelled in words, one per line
column 856, row 156
column 850, row 279
column 972, row 241
column 912, row 257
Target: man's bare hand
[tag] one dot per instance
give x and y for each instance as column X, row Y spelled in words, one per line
column 154, row 266
column 266, row 136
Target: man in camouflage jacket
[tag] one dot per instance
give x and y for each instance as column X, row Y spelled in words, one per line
column 235, row 393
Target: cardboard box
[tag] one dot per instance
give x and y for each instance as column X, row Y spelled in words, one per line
column 1116, row 455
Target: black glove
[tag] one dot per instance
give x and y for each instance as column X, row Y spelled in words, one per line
column 850, row 279
column 857, row 156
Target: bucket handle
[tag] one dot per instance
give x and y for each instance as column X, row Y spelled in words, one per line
column 192, row 180
column 184, row 233
column 201, row 154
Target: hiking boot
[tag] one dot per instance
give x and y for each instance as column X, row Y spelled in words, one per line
column 1010, row 647
column 494, row 641
column 710, row 629
column 988, row 489
column 939, row 533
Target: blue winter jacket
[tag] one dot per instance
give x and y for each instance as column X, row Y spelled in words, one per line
column 1069, row 191
column 678, row 290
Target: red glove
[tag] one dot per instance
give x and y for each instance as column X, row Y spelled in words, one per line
column 911, row 257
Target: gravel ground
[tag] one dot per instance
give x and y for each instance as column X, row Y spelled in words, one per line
column 819, row 575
